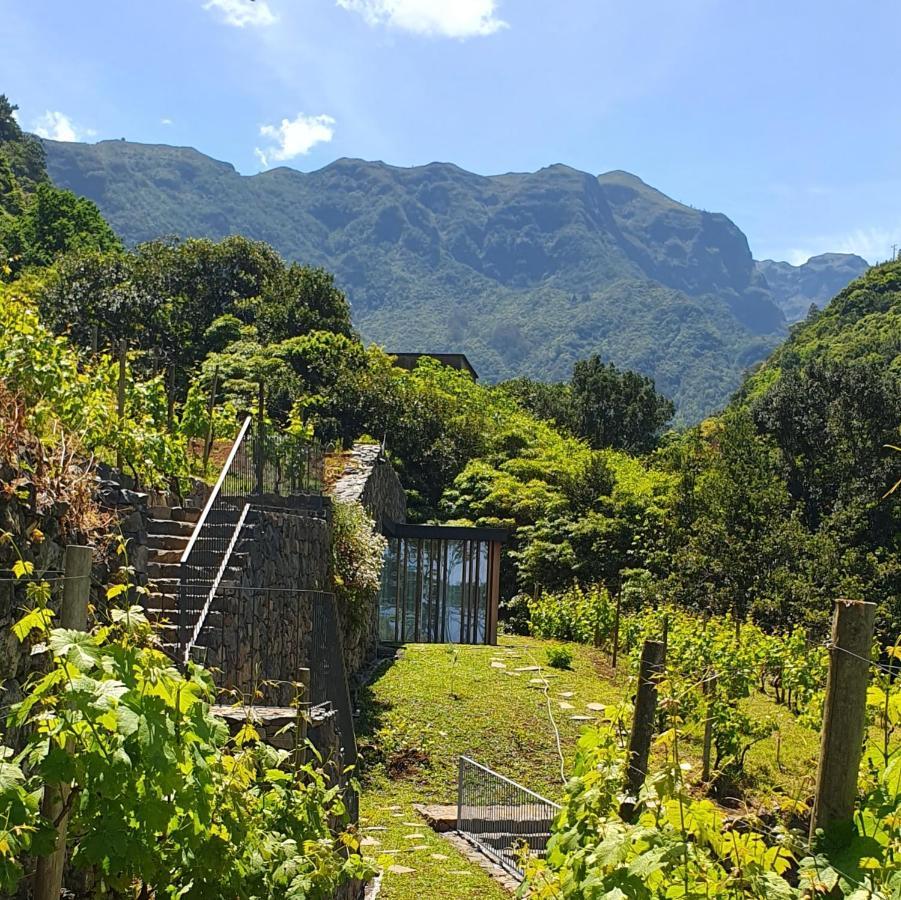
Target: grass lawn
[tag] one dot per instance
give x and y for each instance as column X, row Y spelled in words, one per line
column 436, row 702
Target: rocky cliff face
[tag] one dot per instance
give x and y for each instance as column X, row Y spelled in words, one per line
column 796, row 288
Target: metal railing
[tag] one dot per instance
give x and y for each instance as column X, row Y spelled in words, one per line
column 260, row 462
column 501, row 818
column 286, row 464
column 213, row 536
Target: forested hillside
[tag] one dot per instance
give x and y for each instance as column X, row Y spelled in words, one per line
column 526, row 273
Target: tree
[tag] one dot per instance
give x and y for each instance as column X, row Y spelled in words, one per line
column 614, row 408
column 53, row 222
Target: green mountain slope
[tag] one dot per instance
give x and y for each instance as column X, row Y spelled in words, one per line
column 861, row 324
column 523, row 272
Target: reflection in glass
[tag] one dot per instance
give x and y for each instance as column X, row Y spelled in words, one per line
column 436, row 589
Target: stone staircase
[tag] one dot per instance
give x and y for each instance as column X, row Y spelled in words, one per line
column 169, row 530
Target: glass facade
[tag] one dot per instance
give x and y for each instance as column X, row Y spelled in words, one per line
column 439, row 590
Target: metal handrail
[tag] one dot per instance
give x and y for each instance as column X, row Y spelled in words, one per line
column 509, row 781
column 500, row 817
column 217, row 488
column 201, row 619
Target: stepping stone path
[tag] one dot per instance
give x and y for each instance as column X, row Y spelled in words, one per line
column 401, row 870
column 595, row 707
column 565, row 705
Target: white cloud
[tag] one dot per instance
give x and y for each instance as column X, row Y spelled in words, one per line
column 443, row 18
column 166, row 121
column 243, row 12
column 59, row 127
column 294, row 137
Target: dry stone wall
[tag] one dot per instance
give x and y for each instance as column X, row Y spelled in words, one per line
column 127, row 512
column 369, row 479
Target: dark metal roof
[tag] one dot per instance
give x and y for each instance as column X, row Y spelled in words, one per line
column 446, row 532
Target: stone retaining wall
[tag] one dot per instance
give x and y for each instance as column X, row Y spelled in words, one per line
column 369, row 478
column 127, row 511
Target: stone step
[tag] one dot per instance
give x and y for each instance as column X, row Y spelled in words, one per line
column 186, row 513
column 169, row 586
column 166, row 602
column 169, row 526
column 167, row 542
column 208, row 564
column 167, row 570
column 168, row 624
column 163, row 556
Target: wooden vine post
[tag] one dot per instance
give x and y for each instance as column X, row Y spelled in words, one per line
column 709, row 694
column 208, row 442
column 48, row 879
column 304, row 705
column 170, row 398
column 120, row 394
column 619, row 603
column 259, row 461
column 844, row 715
column 650, row 672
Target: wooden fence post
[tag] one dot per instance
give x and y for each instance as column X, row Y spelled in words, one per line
column 844, row 714
column 48, row 879
column 170, row 397
column 619, row 602
column 208, row 443
column 709, row 693
column 304, row 705
column 649, row 674
column 259, row 461
column 120, row 394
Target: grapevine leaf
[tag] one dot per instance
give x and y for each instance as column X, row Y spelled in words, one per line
column 76, row 646
column 10, row 776
column 22, row 567
column 38, row 619
column 57, row 766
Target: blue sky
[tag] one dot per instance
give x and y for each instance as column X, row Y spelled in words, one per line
column 783, row 115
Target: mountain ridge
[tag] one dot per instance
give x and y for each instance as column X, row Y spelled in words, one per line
column 522, row 271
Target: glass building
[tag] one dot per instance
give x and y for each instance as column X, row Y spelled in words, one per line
column 440, row 584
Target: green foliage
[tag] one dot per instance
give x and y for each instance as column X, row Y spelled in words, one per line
column 616, row 409
column 576, row 614
column 71, row 400
column 601, row 404
column 559, row 657
column 677, row 845
column 358, row 552
column 53, row 222
column 22, row 162
column 159, row 796
column 169, row 298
